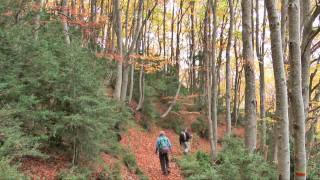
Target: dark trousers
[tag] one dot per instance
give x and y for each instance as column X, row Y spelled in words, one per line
column 164, row 162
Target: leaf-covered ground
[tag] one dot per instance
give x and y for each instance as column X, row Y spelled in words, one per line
column 142, row 144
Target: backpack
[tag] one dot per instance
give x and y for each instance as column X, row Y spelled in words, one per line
column 163, row 144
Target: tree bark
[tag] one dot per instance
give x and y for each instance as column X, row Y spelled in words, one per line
column 131, row 83
column 39, row 3
column 141, row 88
column 236, row 85
column 250, row 97
column 228, row 70
column 125, row 75
column 208, row 84
column 296, row 89
column 260, row 55
column 118, row 30
column 65, row 26
column 281, row 92
column 214, row 84
column 173, row 102
column 306, row 53
column 164, row 36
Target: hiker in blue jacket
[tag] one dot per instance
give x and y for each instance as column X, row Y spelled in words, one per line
column 163, row 146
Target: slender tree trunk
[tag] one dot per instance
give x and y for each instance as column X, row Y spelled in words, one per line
column 250, row 97
column 172, row 33
column 65, row 21
column 236, row 84
column 93, row 19
column 192, row 48
column 39, row 3
column 164, row 35
column 179, row 27
column 138, row 27
column 219, row 58
column 131, row 83
column 281, row 92
column 174, row 101
column 214, row 80
column 306, row 54
column 296, row 89
column 118, row 30
column 260, row 55
column 141, row 89
column 208, row 83
column 228, row 70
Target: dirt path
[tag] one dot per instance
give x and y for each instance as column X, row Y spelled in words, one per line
column 142, row 144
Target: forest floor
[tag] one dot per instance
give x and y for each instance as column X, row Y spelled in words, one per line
column 142, row 144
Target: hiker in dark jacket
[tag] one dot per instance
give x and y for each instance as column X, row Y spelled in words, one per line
column 184, row 140
column 163, row 146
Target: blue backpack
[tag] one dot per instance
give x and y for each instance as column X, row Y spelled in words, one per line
column 163, row 144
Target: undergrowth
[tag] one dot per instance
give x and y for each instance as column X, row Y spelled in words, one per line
column 233, row 162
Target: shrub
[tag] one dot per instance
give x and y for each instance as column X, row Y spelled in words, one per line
column 9, row 172
column 52, row 93
column 233, row 162
column 235, row 159
column 314, row 165
column 130, row 161
column 177, row 107
column 200, row 127
column 75, row 173
column 172, row 121
column 197, row 166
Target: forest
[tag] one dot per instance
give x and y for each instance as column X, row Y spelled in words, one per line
column 89, row 87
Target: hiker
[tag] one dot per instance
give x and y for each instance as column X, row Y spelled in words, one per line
column 184, row 141
column 163, row 146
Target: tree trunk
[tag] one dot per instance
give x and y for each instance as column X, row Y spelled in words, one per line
column 228, row 70
column 208, row 83
column 138, row 27
column 260, row 55
column 281, row 92
column 236, row 84
column 141, row 89
column 250, row 95
column 118, row 30
column 131, row 84
column 172, row 33
column 296, row 89
column 65, row 21
column 306, row 54
column 164, row 36
column 173, row 102
column 214, row 80
column 39, row 3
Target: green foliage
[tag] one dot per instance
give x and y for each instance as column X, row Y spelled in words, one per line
column 237, row 162
column 51, row 94
column 233, row 162
column 200, row 127
column 130, row 161
column 176, row 107
column 115, row 173
column 75, row 173
column 172, row 121
column 313, row 164
column 150, row 114
column 9, row 172
column 197, row 166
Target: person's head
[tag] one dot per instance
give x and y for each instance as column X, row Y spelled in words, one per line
column 186, row 130
column 162, row 133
